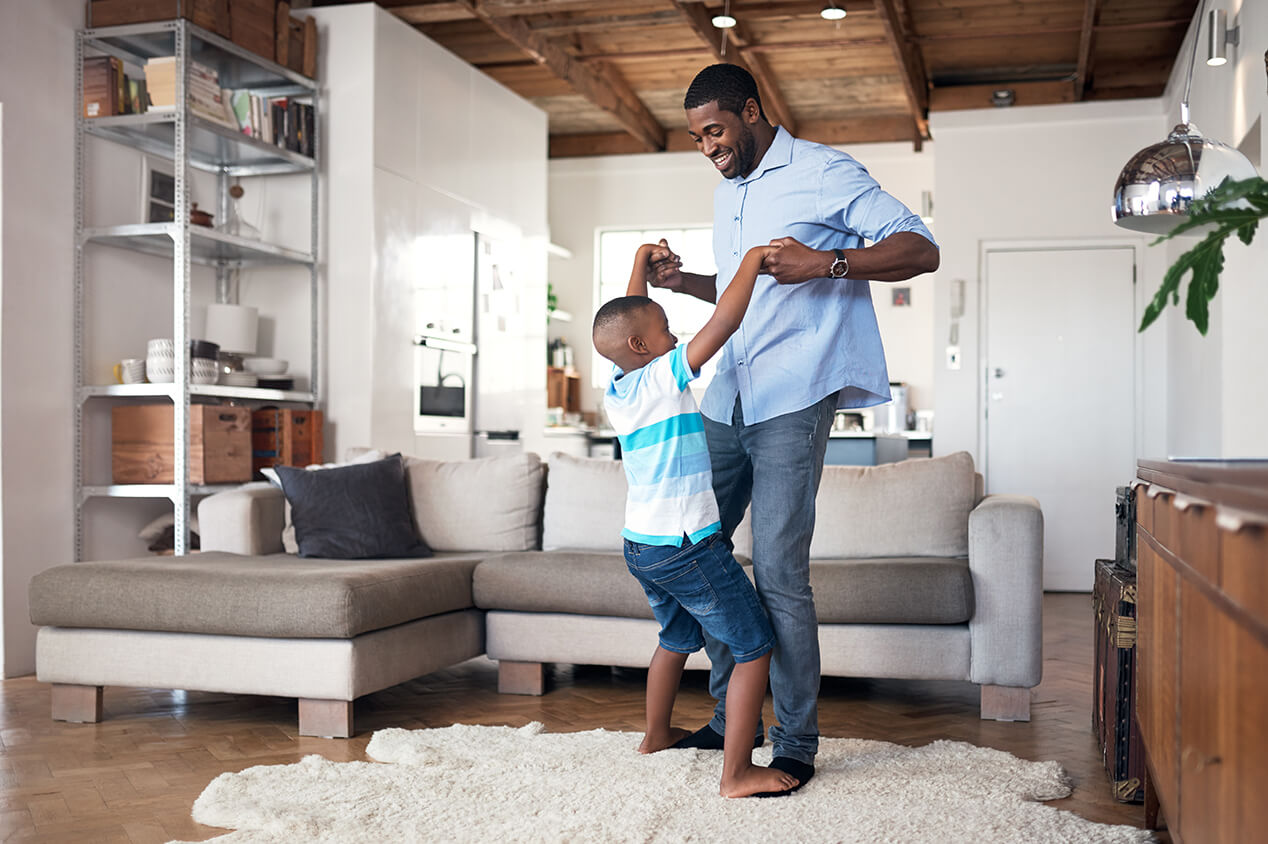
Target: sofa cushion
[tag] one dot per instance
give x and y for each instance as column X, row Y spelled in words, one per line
column 278, row 596
column 893, row 590
column 913, row 508
column 586, row 583
column 353, row 512
column 489, row 504
column 585, row 504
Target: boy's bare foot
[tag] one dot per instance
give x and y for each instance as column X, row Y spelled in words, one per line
column 652, row 743
column 756, row 779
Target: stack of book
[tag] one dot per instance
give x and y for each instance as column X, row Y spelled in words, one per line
column 206, row 98
column 109, row 90
column 281, row 121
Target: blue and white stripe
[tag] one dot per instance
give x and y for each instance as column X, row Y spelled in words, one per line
column 664, row 452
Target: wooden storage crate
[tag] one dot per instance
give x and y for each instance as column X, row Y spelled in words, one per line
column 296, row 42
column 1114, row 606
column 563, row 389
column 251, row 25
column 212, row 15
column 285, row 438
column 219, row 444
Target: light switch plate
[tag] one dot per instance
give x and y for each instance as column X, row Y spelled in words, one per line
column 953, row 357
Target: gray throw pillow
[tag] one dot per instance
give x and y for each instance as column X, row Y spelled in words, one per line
column 353, row 512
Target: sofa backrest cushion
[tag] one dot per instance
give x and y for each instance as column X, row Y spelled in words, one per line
column 585, row 504
column 487, row 504
column 913, row 508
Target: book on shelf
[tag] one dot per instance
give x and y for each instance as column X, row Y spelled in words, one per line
column 109, row 88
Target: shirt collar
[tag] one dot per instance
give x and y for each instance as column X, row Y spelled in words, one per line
column 777, row 155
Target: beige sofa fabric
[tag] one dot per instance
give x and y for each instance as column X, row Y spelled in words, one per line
column 892, row 590
column 583, row 582
column 489, row 504
column 914, row 508
column 585, row 504
column 276, row 596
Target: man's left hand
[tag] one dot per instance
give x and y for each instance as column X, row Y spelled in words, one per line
column 793, row 262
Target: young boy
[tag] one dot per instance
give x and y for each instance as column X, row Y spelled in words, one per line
column 673, row 540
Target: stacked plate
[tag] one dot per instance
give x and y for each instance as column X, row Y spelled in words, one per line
column 239, row 379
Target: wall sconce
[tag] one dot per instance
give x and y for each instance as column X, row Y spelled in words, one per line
column 1219, row 36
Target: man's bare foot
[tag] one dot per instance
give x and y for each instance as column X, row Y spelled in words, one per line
column 754, row 780
column 652, row 743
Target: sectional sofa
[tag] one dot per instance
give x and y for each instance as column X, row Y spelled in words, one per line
column 916, row 575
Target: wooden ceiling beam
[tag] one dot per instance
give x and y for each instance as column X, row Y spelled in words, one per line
column 1084, row 72
column 862, row 130
column 601, row 84
column 910, row 66
column 958, row 97
column 699, row 19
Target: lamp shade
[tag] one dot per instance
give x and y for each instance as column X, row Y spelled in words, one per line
column 233, row 327
column 1158, row 185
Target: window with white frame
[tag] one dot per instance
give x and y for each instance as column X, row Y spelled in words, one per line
column 686, row 314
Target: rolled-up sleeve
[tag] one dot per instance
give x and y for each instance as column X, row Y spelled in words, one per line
column 850, row 199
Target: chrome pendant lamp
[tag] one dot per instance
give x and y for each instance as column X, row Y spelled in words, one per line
column 1156, row 187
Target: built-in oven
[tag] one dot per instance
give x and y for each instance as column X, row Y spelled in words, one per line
column 444, row 386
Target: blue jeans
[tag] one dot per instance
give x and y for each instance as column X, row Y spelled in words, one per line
column 776, row 465
column 701, row 587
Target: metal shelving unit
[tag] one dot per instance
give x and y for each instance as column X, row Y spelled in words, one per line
column 186, row 140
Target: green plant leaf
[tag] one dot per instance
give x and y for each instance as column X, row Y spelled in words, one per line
column 1232, row 207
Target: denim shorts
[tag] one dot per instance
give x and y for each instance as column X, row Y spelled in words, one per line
column 701, row 586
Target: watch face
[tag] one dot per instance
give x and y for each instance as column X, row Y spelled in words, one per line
column 839, row 268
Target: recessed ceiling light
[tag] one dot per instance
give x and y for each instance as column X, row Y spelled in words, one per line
column 1003, row 97
column 723, row 21
column 830, row 12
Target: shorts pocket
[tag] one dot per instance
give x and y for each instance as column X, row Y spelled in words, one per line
column 690, row 588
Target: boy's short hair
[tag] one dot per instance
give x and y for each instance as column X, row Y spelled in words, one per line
column 615, row 315
column 725, row 84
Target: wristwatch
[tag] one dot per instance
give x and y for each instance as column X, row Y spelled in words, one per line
column 840, row 266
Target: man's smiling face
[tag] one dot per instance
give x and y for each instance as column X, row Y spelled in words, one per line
column 725, row 137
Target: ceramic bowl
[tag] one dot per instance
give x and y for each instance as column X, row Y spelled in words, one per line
column 265, row 366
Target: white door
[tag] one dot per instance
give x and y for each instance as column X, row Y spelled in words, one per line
column 1059, row 394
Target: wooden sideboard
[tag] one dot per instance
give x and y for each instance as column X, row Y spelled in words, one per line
column 1202, row 648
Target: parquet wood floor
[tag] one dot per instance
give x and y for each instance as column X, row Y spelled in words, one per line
column 134, row 777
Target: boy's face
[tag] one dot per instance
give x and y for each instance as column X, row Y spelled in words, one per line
column 654, row 329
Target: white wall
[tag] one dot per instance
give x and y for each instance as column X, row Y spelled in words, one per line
column 1218, row 383
column 674, row 190
column 36, row 422
column 1044, row 173
column 422, row 147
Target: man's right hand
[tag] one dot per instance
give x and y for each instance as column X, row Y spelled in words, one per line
column 664, row 269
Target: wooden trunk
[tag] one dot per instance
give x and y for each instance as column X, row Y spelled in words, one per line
column 251, row 25
column 219, row 444
column 285, row 438
column 1114, row 605
column 211, row 15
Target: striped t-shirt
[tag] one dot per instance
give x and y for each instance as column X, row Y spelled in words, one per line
column 663, row 449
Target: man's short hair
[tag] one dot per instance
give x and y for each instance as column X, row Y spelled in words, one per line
column 615, row 315
column 725, row 84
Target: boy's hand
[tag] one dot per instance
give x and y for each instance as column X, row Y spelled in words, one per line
column 792, row 262
column 664, row 268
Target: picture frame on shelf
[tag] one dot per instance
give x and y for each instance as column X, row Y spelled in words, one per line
column 158, row 190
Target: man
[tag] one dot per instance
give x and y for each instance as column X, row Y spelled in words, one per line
column 808, row 345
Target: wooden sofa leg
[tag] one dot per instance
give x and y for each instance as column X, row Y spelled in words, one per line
column 1005, row 703
column 521, row 678
column 81, row 704
column 325, row 718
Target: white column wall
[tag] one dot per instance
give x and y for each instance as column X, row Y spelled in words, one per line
column 1218, row 383
column 421, row 144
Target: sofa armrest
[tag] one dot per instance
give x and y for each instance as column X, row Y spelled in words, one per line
column 1006, row 563
column 246, row 520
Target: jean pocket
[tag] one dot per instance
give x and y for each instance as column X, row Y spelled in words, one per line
column 690, row 588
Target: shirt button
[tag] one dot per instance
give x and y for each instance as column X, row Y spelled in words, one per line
column 737, row 219
column 735, row 253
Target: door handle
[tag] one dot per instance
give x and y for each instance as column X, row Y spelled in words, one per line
column 444, row 345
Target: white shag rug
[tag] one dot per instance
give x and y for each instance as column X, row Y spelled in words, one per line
column 477, row 784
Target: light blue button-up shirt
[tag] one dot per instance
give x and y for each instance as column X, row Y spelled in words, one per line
column 801, row 342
